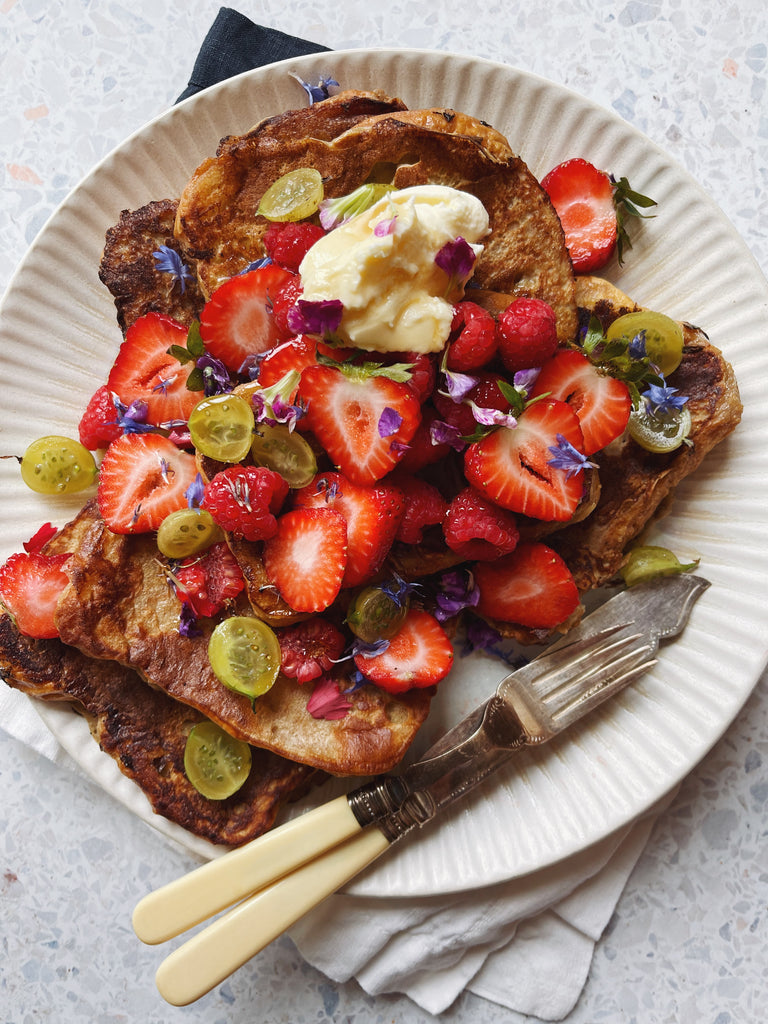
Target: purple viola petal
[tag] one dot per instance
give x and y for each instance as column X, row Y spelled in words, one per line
column 390, row 422
column 458, row 385
column 327, row 702
column 322, row 317
column 188, row 621
column 385, row 227
column 441, row 432
column 525, row 379
column 492, row 417
column 458, row 591
column 216, row 379
column 456, row 258
column 568, row 458
column 168, row 261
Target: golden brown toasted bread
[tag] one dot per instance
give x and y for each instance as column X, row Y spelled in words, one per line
column 119, row 606
column 129, row 271
column 524, row 253
column 145, row 732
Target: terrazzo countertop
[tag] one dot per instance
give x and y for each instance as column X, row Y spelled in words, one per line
column 688, row 941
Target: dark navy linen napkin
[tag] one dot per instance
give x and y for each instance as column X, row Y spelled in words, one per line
column 235, row 44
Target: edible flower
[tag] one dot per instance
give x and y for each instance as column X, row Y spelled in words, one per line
column 481, row 636
column 216, row 379
column 565, row 456
column 272, row 406
column 188, row 621
column 492, row 417
column 194, row 493
column 661, row 400
column 168, row 261
column 456, row 258
column 441, row 432
column 458, row 591
column 458, row 385
column 334, row 212
column 132, row 419
column 389, row 422
column 322, row 317
column 325, row 87
column 364, row 649
column 327, row 701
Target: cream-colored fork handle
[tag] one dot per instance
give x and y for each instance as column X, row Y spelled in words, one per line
column 218, row 950
column 188, row 900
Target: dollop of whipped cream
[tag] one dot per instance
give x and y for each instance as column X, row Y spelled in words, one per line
column 381, row 266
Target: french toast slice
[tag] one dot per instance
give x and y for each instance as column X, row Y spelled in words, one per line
column 145, row 732
column 119, row 606
column 524, row 253
column 129, row 272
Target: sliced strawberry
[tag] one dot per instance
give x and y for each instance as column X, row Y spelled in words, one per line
column 532, row 587
column 372, row 513
column 237, row 320
column 98, row 425
column 307, row 557
column 30, row 586
column 601, row 402
column 295, row 354
column 207, row 581
column 142, row 479
column 360, row 420
column 309, row 649
column 419, row 654
column 143, row 369
column 582, row 195
column 283, row 300
column 511, row 466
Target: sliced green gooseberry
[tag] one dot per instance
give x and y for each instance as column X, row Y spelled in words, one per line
column 245, row 655
column 57, row 465
column 216, row 763
column 294, row 196
column 284, row 451
column 187, row 532
column 648, row 561
column 659, row 433
column 221, row 427
column 374, row 615
column 663, row 337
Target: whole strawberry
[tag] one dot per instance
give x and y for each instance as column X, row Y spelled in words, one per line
column 245, row 499
column 527, row 334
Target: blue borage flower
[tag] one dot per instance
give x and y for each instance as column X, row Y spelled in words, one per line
column 168, row 261
column 398, row 590
column 565, row 456
column 660, row 400
column 194, row 493
column 256, row 265
column 365, row 649
column 332, row 489
column 325, row 88
column 132, row 419
column 322, row 317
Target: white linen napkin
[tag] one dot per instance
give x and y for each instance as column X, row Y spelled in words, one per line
column 526, row 944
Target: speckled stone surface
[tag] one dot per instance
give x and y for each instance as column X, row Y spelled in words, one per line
column 688, row 941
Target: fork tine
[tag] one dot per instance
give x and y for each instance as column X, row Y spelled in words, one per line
column 584, row 702
column 607, row 658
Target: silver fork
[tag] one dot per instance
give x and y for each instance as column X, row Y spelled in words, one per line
column 558, row 691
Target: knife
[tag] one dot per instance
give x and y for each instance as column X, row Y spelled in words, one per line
column 638, row 619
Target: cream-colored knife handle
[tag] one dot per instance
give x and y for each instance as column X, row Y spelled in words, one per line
column 188, row 900
column 217, row 951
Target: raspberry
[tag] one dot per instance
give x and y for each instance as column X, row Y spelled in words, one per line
column 527, row 334
column 244, row 500
column 473, row 341
column 422, row 451
column 478, row 529
column 309, row 649
column 287, row 242
column 485, row 394
column 208, row 581
column 424, row 506
column 284, row 300
column 98, row 426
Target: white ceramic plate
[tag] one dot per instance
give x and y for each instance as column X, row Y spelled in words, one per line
column 688, row 262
